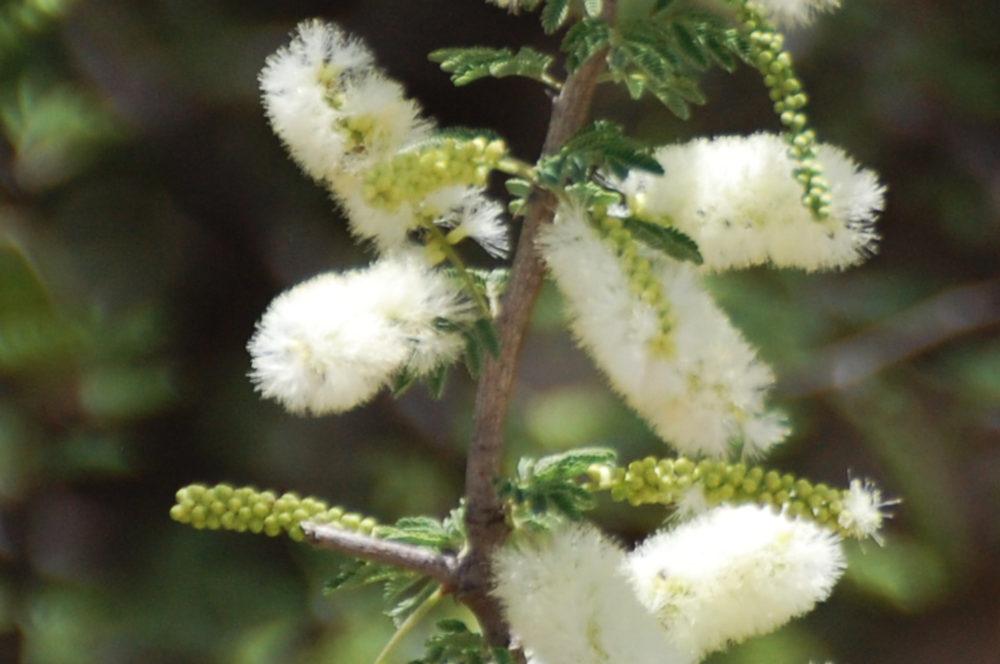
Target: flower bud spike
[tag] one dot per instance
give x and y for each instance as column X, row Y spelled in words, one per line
column 775, row 65
column 259, row 511
column 856, row 512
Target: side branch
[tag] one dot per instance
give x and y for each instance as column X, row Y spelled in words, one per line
column 418, row 559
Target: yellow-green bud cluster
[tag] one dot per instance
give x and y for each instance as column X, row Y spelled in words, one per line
column 224, row 507
column 668, row 481
column 785, row 90
column 359, row 130
column 413, row 174
column 642, row 280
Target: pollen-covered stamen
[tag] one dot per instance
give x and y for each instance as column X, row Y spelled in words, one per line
column 863, row 510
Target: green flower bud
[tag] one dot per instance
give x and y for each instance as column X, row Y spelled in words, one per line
column 412, row 175
column 242, row 509
column 667, row 481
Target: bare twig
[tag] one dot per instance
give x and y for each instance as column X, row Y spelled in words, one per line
column 907, row 334
column 485, row 520
column 418, row 559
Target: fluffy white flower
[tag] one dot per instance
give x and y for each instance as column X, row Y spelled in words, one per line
column 863, row 511
column 330, row 343
column 331, row 107
column 386, row 228
column 707, row 394
column 569, row 602
column 470, row 214
column 737, row 198
column 732, row 573
column 794, row 12
column 466, row 212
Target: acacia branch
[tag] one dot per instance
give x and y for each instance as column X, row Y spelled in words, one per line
column 486, row 523
column 422, row 560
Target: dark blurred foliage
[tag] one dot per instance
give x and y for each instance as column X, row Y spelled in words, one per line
column 149, row 215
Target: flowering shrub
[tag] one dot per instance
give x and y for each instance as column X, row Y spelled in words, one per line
column 627, row 234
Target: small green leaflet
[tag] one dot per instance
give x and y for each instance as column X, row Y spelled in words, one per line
column 583, row 40
column 554, row 14
column 404, row 591
column 592, row 195
column 473, row 63
column 454, row 643
column 599, row 146
column 593, row 7
column 664, row 238
column 552, row 484
column 664, row 53
column 447, row 535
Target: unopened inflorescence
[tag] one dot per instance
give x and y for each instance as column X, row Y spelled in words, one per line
column 246, row 509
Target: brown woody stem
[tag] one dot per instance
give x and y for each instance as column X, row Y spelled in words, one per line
column 398, row 554
column 486, row 522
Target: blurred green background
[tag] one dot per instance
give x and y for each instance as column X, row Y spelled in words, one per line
column 148, row 216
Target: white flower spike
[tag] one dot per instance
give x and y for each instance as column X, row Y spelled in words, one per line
column 330, row 343
column 568, row 601
column 738, row 200
column 709, row 393
column 335, row 112
column 732, row 573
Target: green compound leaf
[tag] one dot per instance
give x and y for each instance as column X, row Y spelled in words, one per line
column 437, row 380
column 443, row 535
column 584, row 40
column 690, row 46
column 404, row 592
column 600, row 146
column 356, row 573
column 664, row 54
column 473, row 63
column 454, row 643
column 552, row 484
column 648, row 59
column 554, row 14
column 592, row 195
column 487, row 334
column 404, row 596
column 664, row 238
column 569, row 464
column 473, row 354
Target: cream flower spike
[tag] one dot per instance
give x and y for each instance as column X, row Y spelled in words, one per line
column 736, row 197
column 568, row 601
column 732, row 573
column 334, row 111
column 710, row 392
column 330, row 343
